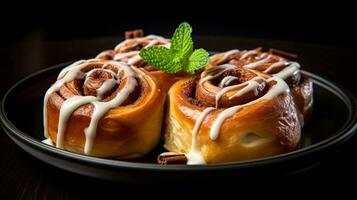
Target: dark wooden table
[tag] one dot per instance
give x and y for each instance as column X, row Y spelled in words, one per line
column 24, row 177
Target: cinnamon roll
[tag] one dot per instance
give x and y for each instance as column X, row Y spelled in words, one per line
column 276, row 65
column 231, row 113
column 128, row 51
column 104, row 108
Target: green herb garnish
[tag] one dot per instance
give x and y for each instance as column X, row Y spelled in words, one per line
column 180, row 56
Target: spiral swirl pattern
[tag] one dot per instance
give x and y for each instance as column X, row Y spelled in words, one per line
column 85, row 97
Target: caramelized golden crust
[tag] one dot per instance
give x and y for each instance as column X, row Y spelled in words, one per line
column 300, row 85
column 127, row 131
column 265, row 128
column 303, row 96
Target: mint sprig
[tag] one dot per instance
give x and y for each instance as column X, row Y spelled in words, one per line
column 180, row 56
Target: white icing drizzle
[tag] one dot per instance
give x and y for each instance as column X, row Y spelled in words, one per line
column 101, row 69
column 275, row 65
column 100, row 108
column 220, row 68
column 152, row 43
column 225, row 90
column 134, row 59
column 279, row 88
column 256, row 64
column 226, row 81
column 292, row 69
column 248, row 53
column 120, row 56
column 229, row 53
column 194, row 156
column 48, row 141
column 108, row 84
column 262, row 55
column 253, row 84
column 66, row 75
column 67, row 108
column 134, row 56
column 250, row 85
column 149, row 37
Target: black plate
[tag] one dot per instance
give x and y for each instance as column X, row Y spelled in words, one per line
column 333, row 122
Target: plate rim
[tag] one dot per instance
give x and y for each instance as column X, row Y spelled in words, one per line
column 345, row 132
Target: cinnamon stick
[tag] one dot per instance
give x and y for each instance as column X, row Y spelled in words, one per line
column 171, row 158
column 134, row 34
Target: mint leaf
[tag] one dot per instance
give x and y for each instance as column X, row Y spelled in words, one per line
column 182, row 41
column 172, row 67
column 161, row 58
column 157, row 56
column 198, row 59
column 180, row 56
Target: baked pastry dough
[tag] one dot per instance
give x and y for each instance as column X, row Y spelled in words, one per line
column 128, row 51
column 275, row 65
column 104, row 108
column 231, row 113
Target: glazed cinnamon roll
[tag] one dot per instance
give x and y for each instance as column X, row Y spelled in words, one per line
column 104, row 108
column 230, row 114
column 128, row 51
column 277, row 66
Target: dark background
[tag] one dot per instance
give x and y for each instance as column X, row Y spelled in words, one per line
column 322, row 24
column 27, row 29
column 32, row 38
